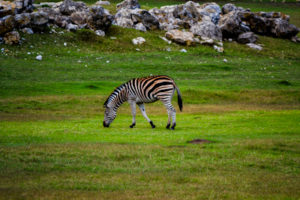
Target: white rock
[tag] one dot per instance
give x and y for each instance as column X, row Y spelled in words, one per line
column 107, row 61
column 137, row 49
column 113, row 38
column 225, row 60
column 28, row 53
column 65, row 44
column 27, row 31
column 72, row 27
column 39, row 57
column 100, row 33
column 165, row 39
column 138, row 40
column 140, row 27
column 168, row 49
column 183, row 50
column 254, row 46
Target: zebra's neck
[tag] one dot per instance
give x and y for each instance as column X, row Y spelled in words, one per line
column 118, row 97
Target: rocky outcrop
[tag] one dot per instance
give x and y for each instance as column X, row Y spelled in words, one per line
column 181, row 37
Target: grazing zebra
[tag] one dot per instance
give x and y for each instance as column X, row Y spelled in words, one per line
column 139, row 91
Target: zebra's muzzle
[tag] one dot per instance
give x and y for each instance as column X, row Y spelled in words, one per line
column 105, row 125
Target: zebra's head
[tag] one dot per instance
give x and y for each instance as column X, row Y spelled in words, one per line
column 109, row 116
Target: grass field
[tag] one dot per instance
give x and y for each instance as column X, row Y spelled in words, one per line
column 247, row 111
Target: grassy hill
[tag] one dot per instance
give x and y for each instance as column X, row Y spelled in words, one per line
column 53, row 145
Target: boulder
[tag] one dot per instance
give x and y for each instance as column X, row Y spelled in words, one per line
column 100, row 33
column 39, row 21
column 207, row 29
column 69, row 6
column 128, row 4
column 283, row 29
column 231, row 25
column 61, row 21
column 24, row 6
column 254, row 46
column 212, row 10
column 140, row 27
column 99, row 18
column 248, row 37
column 27, row 30
column 7, row 24
column 80, row 18
column 138, row 40
column 22, row 20
column 188, row 12
column 143, row 16
column 227, row 8
column 72, row 27
column 12, row 37
column 7, row 8
column 181, row 37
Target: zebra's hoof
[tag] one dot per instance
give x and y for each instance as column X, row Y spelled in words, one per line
column 152, row 125
column 173, row 126
column 132, row 125
column 168, row 126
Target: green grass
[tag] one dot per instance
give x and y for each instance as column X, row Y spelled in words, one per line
column 53, row 145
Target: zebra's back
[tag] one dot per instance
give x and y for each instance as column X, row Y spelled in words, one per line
column 150, row 89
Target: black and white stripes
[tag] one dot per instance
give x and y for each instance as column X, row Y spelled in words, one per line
column 139, row 91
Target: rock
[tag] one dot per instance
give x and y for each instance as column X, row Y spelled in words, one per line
column 27, row 30
column 100, row 33
column 101, row 3
column 39, row 21
column 207, row 29
column 128, row 4
column 24, row 6
column 295, row 39
column 61, row 21
column 69, row 6
column 138, row 40
column 143, row 16
column 22, row 20
column 231, row 25
column 180, row 37
column 225, row 60
column 188, row 12
column 7, row 24
column 123, row 18
column 7, row 8
column 183, row 50
column 140, row 27
column 99, row 18
column 72, row 27
column 283, row 29
column 39, row 57
column 254, row 46
column 80, row 18
column 248, row 37
column 219, row 49
column 212, row 10
column 207, row 41
column 11, row 38
column 227, row 8
column 166, row 40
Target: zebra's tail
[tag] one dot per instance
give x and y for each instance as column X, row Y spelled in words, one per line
column 179, row 98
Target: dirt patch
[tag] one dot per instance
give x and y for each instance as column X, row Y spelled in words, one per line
column 199, row 141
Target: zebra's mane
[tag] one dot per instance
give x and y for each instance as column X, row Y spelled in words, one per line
column 114, row 93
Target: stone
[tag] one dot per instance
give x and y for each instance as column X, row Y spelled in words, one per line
column 183, row 50
column 165, row 39
column 254, row 46
column 22, row 20
column 295, row 39
column 24, row 6
column 218, row 49
column 283, row 29
column 231, row 25
column 143, row 16
column 100, row 33
column 39, row 21
column 61, row 21
column 212, row 10
column 207, row 29
column 69, row 6
column 12, row 37
column 123, row 18
column 180, row 37
column 101, row 3
column 138, row 40
column 99, row 18
column 7, row 8
column 227, row 8
column 39, row 57
column 7, row 24
column 128, row 4
column 27, row 30
column 140, row 26
column 80, row 18
column 188, row 12
column 248, row 37
column 72, row 27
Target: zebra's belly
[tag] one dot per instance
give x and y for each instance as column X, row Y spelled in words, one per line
column 140, row 100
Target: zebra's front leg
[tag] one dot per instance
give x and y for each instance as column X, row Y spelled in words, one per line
column 133, row 112
column 142, row 108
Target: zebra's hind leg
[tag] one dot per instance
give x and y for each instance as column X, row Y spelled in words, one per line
column 171, row 113
column 169, row 120
column 142, row 108
column 133, row 112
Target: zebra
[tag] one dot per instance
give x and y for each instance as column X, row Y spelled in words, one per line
column 143, row 90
